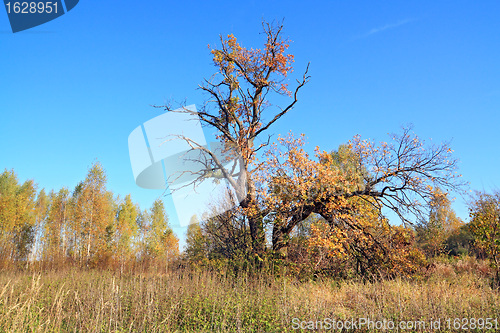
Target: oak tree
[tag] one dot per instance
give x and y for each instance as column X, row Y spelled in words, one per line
column 240, row 110
column 398, row 177
column 282, row 189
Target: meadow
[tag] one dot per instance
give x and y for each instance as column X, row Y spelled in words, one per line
column 76, row 300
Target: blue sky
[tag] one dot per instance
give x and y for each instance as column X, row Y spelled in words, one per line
column 73, row 89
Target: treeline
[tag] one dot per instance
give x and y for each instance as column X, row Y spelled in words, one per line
column 90, row 227
column 87, row 227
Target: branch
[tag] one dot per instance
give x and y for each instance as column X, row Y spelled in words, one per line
column 305, row 79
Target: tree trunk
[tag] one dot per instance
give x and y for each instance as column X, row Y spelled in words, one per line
column 257, row 234
column 255, row 219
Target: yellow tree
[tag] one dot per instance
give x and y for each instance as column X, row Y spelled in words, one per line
column 485, row 225
column 400, row 177
column 41, row 211
column 162, row 244
column 362, row 242
column 195, row 243
column 17, row 216
column 126, row 229
column 93, row 214
column 8, row 189
column 285, row 189
column 352, row 234
column 56, row 227
column 240, row 110
column 441, row 224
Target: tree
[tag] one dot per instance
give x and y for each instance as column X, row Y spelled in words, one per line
column 17, row 217
column 161, row 241
column 461, row 242
column 142, row 235
column 400, row 177
column 441, row 224
column 378, row 250
column 240, row 110
column 126, row 228
column 41, row 211
column 222, row 240
column 353, row 236
column 195, row 243
column 227, row 235
column 56, row 233
column 93, row 214
column 485, row 226
column 283, row 190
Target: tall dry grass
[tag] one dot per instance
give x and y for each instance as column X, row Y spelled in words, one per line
column 101, row 301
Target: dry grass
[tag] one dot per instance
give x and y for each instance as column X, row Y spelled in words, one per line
column 95, row 301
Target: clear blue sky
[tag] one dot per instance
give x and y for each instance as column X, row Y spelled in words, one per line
column 72, row 90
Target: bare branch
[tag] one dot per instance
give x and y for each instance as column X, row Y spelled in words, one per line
column 305, row 79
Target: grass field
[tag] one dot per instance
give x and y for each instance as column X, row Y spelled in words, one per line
column 102, row 301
